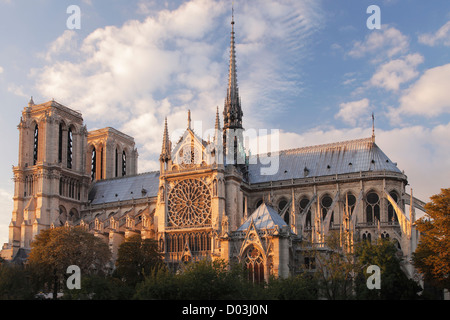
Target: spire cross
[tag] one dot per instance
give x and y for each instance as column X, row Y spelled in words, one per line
column 373, row 127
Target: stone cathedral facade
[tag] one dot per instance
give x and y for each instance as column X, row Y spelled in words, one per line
column 210, row 199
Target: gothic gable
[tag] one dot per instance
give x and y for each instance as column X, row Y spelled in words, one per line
column 190, row 151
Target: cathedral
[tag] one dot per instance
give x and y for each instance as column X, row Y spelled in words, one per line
column 209, row 199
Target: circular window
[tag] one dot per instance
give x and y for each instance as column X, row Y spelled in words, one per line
column 303, row 203
column 281, row 205
column 189, row 204
column 372, row 198
column 351, row 199
column 326, row 201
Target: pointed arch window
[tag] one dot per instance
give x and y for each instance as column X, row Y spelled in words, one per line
column 351, row 202
column 116, row 163
column 392, row 215
column 35, row 144
column 372, row 208
column 69, row 148
column 254, row 263
column 124, row 163
column 281, row 205
column 303, row 204
column 325, row 204
column 367, row 237
column 260, row 202
column 60, row 143
column 93, row 163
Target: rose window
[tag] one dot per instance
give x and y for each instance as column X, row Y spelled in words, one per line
column 189, row 204
column 189, row 156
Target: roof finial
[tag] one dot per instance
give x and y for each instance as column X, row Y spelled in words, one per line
column 31, row 102
column 373, row 127
column 189, row 119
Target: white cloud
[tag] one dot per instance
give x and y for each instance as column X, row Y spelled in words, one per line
column 134, row 75
column 1, row 69
column 65, row 44
column 429, row 95
column 384, row 43
column 392, row 74
column 17, row 90
column 442, row 36
column 423, row 153
column 351, row 112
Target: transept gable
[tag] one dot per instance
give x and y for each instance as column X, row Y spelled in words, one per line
column 190, row 150
column 252, row 238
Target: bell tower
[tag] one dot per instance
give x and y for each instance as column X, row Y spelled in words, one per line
column 50, row 180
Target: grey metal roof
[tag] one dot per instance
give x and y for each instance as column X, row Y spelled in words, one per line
column 126, row 188
column 264, row 217
column 352, row 156
column 323, row 160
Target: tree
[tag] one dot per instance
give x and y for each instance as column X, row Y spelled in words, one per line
column 14, row 282
column 53, row 250
column 334, row 269
column 299, row 287
column 432, row 256
column 99, row 287
column 214, row 280
column 137, row 257
column 395, row 285
column 204, row 280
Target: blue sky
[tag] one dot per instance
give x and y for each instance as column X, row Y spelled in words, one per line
column 309, row 68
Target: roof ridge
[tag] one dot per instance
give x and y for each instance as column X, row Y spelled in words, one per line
column 321, row 146
column 127, row 176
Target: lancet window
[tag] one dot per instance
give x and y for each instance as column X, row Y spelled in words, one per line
column 35, row 144
column 69, row 148
column 392, row 215
column 124, row 163
column 254, row 263
column 325, row 205
column 372, row 207
column 303, row 204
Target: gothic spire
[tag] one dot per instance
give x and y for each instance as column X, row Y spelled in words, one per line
column 217, row 125
column 232, row 110
column 166, row 147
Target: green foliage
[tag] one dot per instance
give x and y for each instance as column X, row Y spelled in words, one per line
column 14, row 283
column 205, row 280
column 53, row 250
column 300, row 287
column 432, row 256
column 334, row 270
column 136, row 258
column 97, row 287
column 141, row 274
column 395, row 284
